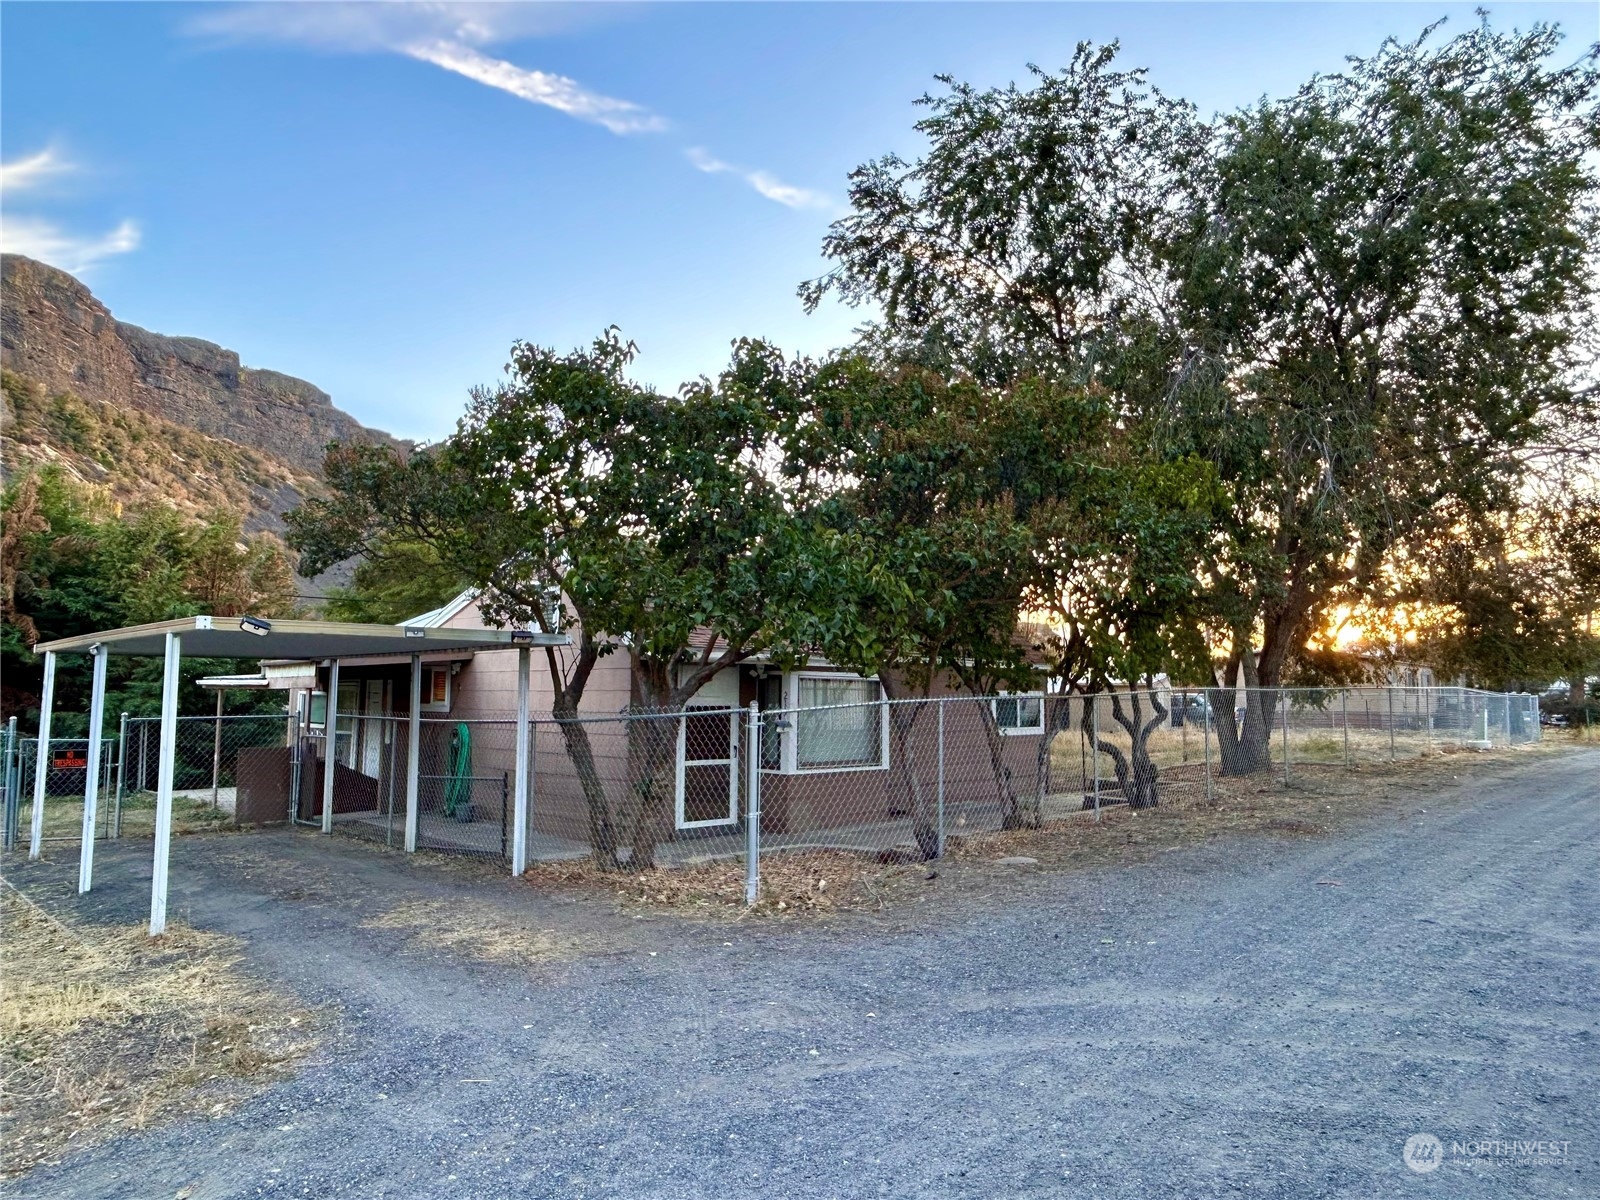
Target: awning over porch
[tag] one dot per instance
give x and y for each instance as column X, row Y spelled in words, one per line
column 251, row 637
column 254, row 637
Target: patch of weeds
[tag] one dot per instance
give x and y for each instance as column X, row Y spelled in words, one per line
column 106, row 1029
column 477, row 931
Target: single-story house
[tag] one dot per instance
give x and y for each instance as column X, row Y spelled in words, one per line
column 832, row 754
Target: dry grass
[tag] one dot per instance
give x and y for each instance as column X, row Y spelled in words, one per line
column 63, row 817
column 107, row 1030
column 821, row 882
column 477, row 931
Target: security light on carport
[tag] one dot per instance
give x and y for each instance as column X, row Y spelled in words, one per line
column 248, row 637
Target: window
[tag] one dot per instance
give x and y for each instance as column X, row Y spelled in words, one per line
column 344, row 748
column 847, row 727
column 1019, row 714
column 436, row 688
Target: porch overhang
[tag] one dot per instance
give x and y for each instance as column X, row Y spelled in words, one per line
column 250, row 637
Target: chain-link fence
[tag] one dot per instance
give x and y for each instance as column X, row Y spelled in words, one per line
column 901, row 780
column 888, row 780
column 206, row 767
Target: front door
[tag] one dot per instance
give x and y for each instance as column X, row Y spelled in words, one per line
column 372, row 731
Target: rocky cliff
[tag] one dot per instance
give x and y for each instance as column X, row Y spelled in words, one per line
column 56, row 334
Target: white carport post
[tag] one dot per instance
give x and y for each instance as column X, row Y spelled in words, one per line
column 164, row 771
column 41, row 759
column 519, row 819
column 330, row 744
column 91, row 782
column 413, row 752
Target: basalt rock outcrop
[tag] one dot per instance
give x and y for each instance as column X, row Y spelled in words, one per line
column 54, row 332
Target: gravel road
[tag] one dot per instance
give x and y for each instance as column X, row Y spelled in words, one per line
column 1253, row 1017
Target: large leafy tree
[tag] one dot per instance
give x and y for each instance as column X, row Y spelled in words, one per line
column 1359, row 304
column 71, row 562
column 578, row 501
column 935, row 482
column 1024, row 240
column 1385, row 281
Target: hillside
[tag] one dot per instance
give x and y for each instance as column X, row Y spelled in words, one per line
column 148, row 416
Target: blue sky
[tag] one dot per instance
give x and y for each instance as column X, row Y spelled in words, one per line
column 381, row 198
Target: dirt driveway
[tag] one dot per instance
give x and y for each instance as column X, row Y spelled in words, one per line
column 1262, row 1016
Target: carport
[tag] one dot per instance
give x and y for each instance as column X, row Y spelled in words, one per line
column 252, row 637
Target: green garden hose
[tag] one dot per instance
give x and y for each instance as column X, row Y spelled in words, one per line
column 458, row 785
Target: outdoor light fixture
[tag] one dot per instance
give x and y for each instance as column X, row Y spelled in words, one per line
column 519, row 636
column 416, row 631
column 255, row 625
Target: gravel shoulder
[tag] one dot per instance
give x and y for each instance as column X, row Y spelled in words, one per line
column 1239, row 1015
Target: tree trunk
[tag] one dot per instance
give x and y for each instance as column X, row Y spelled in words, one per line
column 654, row 732
column 575, row 736
column 902, row 731
column 657, row 738
column 1137, row 774
column 1248, row 750
column 1010, row 811
column 602, row 829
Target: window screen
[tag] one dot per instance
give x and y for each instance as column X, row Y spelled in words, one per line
column 1022, row 713
column 835, row 736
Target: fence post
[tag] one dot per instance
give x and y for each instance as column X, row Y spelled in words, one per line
column 1285, row 696
column 1184, row 718
column 1344, row 720
column 41, row 757
column 519, row 843
column 1094, row 744
column 752, row 806
column 122, row 776
column 939, row 801
column 330, row 746
column 1427, row 700
column 1207, row 741
column 9, row 774
column 1391, row 722
column 216, row 754
column 91, row 770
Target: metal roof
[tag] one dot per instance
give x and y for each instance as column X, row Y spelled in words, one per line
column 232, row 637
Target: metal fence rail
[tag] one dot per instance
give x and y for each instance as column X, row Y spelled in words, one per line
column 890, row 780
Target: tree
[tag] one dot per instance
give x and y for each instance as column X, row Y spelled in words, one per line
column 1024, row 241
column 581, row 502
column 1509, row 603
column 230, row 576
column 1384, row 281
column 1359, row 304
column 398, row 579
column 71, row 563
column 1028, row 244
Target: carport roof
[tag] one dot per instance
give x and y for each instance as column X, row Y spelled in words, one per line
column 231, row 637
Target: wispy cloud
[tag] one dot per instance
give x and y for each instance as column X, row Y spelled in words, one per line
column 73, row 253
column 366, row 26
column 766, row 183
column 449, row 36
column 24, row 173
column 44, row 239
column 539, row 87
column 453, row 37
